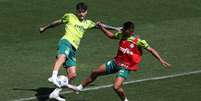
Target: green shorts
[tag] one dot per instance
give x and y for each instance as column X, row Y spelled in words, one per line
column 65, row 47
column 111, row 67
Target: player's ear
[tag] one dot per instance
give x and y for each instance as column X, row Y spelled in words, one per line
column 86, row 11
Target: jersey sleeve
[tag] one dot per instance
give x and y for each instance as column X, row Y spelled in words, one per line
column 91, row 24
column 117, row 35
column 66, row 17
column 142, row 43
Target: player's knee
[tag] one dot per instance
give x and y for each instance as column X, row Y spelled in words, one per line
column 116, row 87
column 95, row 73
column 61, row 58
column 72, row 76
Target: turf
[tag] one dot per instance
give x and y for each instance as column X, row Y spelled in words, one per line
column 175, row 89
column 172, row 27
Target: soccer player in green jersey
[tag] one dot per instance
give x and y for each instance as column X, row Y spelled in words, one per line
column 75, row 27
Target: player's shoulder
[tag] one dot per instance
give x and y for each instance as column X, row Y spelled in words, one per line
column 140, row 41
column 67, row 17
column 89, row 21
column 69, row 14
column 136, row 38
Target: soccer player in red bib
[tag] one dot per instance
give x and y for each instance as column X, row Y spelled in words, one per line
column 127, row 59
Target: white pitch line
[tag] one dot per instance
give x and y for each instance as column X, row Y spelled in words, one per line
column 129, row 82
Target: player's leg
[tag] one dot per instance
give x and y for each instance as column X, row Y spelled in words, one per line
column 118, row 83
column 104, row 69
column 71, row 73
column 58, row 63
column 101, row 70
column 56, row 92
column 64, row 49
column 70, row 65
column 118, row 87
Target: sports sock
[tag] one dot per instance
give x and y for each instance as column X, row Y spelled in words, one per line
column 126, row 99
column 54, row 73
column 80, row 87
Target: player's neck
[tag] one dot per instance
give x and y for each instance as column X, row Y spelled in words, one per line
column 80, row 19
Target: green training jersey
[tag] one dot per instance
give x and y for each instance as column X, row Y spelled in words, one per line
column 75, row 29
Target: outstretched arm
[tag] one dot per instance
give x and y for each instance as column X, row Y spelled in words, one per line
column 111, row 27
column 108, row 33
column 157, row 56
column 50, row 25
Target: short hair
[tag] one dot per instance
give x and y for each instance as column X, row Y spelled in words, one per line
column 128, row 25
column 81, row 6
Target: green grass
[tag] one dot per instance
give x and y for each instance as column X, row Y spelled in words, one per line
column 175, row 89
column 172, row 27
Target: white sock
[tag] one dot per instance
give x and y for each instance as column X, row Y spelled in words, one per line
column 126, row 99
column 80, row 87
column 54, row 73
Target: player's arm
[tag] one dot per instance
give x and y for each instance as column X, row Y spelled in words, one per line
column 97, row 25
column 108, row 33
column 157, row 56
column 51, row 25
column 145, row 45
column 110, row 27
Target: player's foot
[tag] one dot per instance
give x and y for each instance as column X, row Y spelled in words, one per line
column 55, row 81
column 50, row 79
column 126, row 99
column 80, row 87
column 74, row 88
column 55, row 95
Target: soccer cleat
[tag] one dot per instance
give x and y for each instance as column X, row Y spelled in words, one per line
column 79, row 88
column 50, row 79
column 74, row 88
column 55, row 95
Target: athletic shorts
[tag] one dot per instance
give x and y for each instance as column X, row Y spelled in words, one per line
column 111, row 67
column 65, row 47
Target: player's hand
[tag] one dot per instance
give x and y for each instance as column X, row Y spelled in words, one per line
column 119, row 29
column 99, row 24
column 55, row 81
column 42, row 29
column 165, row 64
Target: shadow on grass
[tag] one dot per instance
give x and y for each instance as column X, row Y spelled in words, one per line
column 42, row 93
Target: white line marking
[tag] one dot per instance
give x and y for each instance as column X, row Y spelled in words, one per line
column 129, row 82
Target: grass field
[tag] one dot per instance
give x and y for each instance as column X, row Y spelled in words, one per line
column 173, row 27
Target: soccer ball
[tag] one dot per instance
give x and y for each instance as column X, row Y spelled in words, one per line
column 63, row 80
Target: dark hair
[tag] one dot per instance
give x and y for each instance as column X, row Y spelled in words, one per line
column 81, row 6
column 128, row 25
